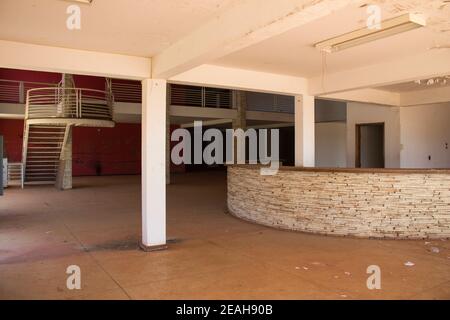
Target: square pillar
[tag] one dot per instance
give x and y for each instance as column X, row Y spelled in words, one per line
column 154, row 137
column 64, row 173
column 304, row 131
column 168, row 160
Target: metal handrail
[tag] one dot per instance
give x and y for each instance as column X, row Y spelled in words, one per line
column 78, row 103
column 125, row 92
column 15, row 173
column 14, row 91
column 200, row 96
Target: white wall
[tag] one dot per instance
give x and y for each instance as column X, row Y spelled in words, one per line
column 360, row 113
column 331, row 144
column 424, row 132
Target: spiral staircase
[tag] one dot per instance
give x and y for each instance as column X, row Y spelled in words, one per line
column 50, row 115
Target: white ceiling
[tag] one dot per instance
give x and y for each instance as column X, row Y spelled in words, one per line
column 413, row 86
column 293, row 52
column 146, row 27
column 133, row 27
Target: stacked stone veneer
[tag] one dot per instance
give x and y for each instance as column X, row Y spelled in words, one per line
column 379, row 204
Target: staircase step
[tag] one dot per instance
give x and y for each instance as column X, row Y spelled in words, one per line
column 43, row 182
column 38, row 182
column 47, row 127
column 58, row 134
column 47, row 132
column 44, row 148
column 48, row 142
column 36, row 176
column 41, row 166
column 44, row 152
column 39, row 131
column 41, row 173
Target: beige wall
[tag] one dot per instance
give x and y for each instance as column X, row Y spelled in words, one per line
column 331, row 144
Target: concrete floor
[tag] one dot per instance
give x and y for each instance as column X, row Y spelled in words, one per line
column 215, row 256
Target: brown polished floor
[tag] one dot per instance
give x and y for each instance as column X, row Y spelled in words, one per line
column 213, row 255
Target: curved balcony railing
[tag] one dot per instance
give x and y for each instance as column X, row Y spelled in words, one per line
column 69, row 103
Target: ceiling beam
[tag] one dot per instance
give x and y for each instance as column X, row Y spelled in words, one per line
column 430, row 64
column 245, row 23
column 373, row 96
column 202, row 112
column 206, row 123
column 18, row 55
column 272, row 126
column 239, row 79
column 426, row 96
column 270, row 116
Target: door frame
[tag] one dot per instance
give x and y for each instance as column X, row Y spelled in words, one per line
column 358, row 141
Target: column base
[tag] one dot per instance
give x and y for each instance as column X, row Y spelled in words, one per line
column 152, row 248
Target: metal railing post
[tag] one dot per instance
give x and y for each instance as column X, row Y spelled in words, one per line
column 22, row 175
column 27, row 105
column 80, row 104
column 203, row 97
column 21, row 92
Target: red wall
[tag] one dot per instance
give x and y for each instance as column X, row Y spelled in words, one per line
column 81, row 81
column 12, row 132
column 89, row 82
column 107, row 151
column 95, row 151
column 31, row 76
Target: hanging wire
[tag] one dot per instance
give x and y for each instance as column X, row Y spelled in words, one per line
column 324, row 68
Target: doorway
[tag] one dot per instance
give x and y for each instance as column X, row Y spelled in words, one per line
column 370, row 145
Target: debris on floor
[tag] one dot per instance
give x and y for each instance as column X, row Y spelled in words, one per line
column 409, row 264
column 347, row 273
column 304, row 268
column 434, row 250
column 174, row 240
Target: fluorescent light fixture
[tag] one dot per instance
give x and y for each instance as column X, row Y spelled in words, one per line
column 81, row 1
column 388, row 28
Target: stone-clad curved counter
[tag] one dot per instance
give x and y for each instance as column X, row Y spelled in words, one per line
column 375, row 203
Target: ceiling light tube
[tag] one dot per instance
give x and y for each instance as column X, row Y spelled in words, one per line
column 81, row 1
column 388, row 28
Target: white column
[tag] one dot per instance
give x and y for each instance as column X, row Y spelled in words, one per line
column 304, row 131
column 153, row 164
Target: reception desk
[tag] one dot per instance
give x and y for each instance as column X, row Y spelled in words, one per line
column 369, row 203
